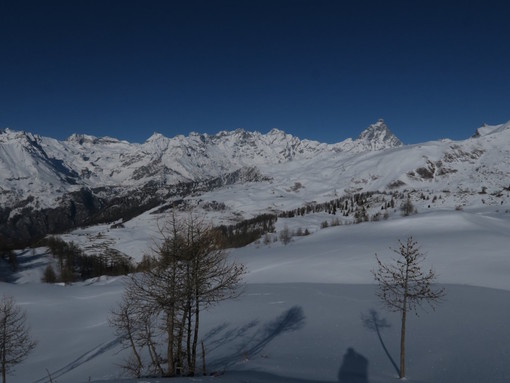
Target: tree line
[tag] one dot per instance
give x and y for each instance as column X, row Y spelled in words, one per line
column 247, row 231
column 73, row 264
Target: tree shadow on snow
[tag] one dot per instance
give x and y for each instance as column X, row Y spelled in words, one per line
column 81, row 360
column 373, row 322
column 222, row 335
column 252, row 337
column 25, row 260
column 6, row 273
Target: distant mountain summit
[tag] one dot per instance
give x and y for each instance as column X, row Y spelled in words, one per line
column 486, row 129
column 378, row 136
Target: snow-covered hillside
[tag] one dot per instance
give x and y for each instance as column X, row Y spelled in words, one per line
column 48, row 185
column 303, row 307
column 306, row 304
column 87, row 180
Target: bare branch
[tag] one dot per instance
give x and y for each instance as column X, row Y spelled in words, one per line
column 188, row 273
column 404, row 285
column 15, row 340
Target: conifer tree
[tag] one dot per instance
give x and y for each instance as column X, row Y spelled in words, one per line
column 404, row 286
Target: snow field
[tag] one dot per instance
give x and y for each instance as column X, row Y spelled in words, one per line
column 303, row 307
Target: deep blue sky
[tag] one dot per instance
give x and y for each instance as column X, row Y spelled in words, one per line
column 321, row 70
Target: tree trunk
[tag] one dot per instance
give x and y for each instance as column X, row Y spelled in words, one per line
column 188, row 337
column 170, row 344
column 180, row 352
column 204, row 371
column 402, row 344
column 3, row 350
column 3, row 367
column 133, row 348
column 195, row 338
column 153, row 353
column 403, row 326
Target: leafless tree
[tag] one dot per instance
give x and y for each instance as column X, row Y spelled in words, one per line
column 15, row 340
column 128, row 325
column 285, row 235
column 404, row 286
column 407, row 208
column 190, row 273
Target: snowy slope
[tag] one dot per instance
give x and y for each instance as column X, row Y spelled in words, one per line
column 304, row 306
column 437, row 176
column 319, row 287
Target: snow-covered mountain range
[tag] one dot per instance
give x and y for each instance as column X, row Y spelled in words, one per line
column 41, row 165
column 47, row 185
column 317, row 286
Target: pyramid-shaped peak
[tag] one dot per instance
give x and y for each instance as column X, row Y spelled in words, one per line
column 379, row 136
column 156, row 136
column 276, row 132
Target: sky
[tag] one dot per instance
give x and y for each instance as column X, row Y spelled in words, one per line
column 320, row 70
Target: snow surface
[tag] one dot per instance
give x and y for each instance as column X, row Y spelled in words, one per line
column 303, row 307
column 304, row 304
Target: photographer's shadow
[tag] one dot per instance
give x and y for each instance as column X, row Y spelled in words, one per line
column 354, row 368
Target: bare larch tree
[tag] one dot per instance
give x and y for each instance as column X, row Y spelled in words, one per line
column 404, row 286
column 15, row 340
column 160, row 312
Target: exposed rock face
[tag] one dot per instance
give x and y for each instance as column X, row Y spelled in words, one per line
column 377, row 136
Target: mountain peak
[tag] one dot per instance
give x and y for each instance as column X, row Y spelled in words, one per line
column 378, row 136
column 83, row 139
column 487, row 129
column 156, row 137
column 275, row 132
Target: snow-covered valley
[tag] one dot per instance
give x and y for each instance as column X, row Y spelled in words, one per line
column 50, row 186
column 304, row 304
